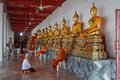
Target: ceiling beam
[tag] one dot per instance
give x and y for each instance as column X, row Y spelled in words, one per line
column 37, row 3
column 27, row 16
column 28, row 9
column 21, row 18
column 28, row 13
column 24, row 21
column 16, row 20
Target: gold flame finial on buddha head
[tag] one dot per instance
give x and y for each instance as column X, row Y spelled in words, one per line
column 46, row 28
column 93, row 10
column 75, row 17
column 49, row 27
column 56, row 25
column 63, row 22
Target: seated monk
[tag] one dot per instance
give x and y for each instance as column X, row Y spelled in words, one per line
column 41, row 51
column 26, row 67
column 61, row 56
column 94, row 24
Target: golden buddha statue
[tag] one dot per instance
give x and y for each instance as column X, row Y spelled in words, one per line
column 46, row 32
column 94, row 23
column 43, row 33
column 39, row 34
column 65, row 29
column 50, row 31
column 77, row 26
column 56, row 31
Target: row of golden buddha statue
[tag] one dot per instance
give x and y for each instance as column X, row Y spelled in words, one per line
column 84, row 43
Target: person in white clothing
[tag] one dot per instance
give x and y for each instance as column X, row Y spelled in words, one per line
column 26, row 67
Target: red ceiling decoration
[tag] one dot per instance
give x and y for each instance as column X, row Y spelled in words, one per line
column 1, row 1
column 25, row 15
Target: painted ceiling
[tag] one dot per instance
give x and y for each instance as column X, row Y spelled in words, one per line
column 25, row 15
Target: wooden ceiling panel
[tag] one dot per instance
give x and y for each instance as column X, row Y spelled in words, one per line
column 24, row 13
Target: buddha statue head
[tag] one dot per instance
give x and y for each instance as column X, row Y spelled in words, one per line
column 38, row 31
column 46, row 32
column 34, row 34
column 43, row 31
column 93, row 11
column 49, row 27
column 46, row 29
column 64, row 22
column 76, row 17
column 56, row 26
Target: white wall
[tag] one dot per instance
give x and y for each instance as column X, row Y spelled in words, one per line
column 106, row 9
column 4, row 30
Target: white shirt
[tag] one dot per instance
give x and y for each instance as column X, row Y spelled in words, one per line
column 26, row 64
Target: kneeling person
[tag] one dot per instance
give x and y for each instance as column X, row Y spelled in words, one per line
column 26, row 67
column 61, row 56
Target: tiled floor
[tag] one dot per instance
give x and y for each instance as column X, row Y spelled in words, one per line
column 10, row 70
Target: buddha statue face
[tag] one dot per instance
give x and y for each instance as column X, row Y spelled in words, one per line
column 93, row 11
column 63, row 22
column 75, row 17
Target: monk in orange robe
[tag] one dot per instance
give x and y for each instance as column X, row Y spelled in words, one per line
column 41, row 51
column 61, row 56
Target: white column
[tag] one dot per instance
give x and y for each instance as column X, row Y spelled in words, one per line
column 5, row 41
column 7, row 29
column 1, row 30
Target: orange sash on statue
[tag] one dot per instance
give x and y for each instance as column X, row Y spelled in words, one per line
column 32, row 47
column 60, row 57
column 41, row 51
